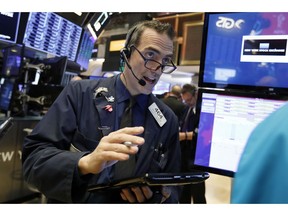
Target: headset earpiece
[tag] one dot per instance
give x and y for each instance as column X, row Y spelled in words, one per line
column 125, row 54
column 126, row 50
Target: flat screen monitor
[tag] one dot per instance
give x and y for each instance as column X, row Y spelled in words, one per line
column 245, row 50
column 7, row 88
column 55, row 72
column 12, row 61
column 79, row 18
column 226, row 120
column 51, row 33
column 85, row 49
column 9, row 22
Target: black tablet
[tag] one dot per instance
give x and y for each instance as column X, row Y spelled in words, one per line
column 153, row 179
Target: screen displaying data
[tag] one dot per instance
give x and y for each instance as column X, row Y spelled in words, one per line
column 85, row 49
column 49, row 32
column 226, row 122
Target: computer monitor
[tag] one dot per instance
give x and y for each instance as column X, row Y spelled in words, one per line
column 85, row 49
column 50, row 33
column 9, row 22
column 245, row 50
column 78, row 18
column 7, row 89
column 55, row 72
column 226, row 120
column 12, row 61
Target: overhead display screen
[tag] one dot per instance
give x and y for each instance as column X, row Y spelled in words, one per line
column 9, row 23
column 245, row 50
column 49, row 32
column 85, row 49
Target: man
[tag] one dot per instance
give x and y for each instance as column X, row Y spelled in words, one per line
column 174, row 101
column 79, row 141
column 188, row 139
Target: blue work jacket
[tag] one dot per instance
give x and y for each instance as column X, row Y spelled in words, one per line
column 73, row 127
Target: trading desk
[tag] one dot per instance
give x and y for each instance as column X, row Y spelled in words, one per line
column 13, row 187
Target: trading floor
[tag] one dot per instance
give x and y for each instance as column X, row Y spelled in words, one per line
column 218, row 189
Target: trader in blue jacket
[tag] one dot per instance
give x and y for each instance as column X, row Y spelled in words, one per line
column 79, row 141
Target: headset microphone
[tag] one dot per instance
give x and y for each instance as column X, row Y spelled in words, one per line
column 140, row 81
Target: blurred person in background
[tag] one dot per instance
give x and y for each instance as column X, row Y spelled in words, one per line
column 174, row 101
column 188, row 138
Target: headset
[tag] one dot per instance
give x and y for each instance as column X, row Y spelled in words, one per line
column 125, row 54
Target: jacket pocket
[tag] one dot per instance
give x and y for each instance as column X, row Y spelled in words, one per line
column 81, row 143
column 159, row 159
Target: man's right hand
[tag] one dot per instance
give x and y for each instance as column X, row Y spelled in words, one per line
column 111, row 149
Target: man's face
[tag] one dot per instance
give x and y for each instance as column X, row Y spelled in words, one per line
column 189, row 99
column 153, row 45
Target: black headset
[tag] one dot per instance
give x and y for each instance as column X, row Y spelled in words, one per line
column 125, row 53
